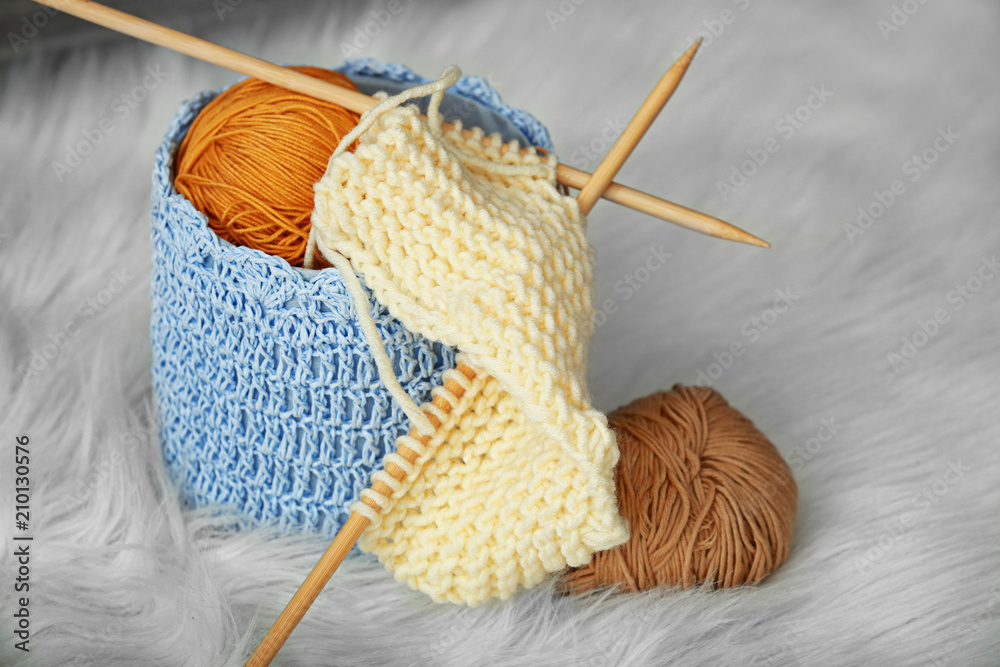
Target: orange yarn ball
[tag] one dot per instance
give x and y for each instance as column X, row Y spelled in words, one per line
column 252, row 156
column 708, row 498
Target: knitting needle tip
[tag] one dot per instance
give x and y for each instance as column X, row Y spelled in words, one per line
column 602, row 177
column 693, row 49
column 752, row 240
column 707, row 224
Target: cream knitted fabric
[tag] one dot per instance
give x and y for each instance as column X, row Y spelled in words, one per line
column 474, row 247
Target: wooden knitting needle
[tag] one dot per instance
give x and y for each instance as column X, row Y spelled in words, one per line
column 599, row 184
column 634, row 131
column 359, row 103
column 342, row 544
column 356, row 524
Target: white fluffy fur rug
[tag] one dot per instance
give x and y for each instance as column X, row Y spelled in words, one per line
column 892, row 432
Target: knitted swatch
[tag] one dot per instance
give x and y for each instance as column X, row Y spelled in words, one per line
column 471, row 245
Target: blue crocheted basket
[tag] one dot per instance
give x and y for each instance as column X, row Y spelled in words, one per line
column 268, row 398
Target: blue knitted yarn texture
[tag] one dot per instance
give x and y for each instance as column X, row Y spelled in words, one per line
column 268, row 398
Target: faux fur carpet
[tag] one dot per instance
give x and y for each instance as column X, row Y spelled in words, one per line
column 869, row 347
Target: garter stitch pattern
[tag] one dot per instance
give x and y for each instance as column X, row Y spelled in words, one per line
column 473, row 246
column 268, row 398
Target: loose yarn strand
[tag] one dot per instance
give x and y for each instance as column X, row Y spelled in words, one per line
column 362, row 304
column 435, row 88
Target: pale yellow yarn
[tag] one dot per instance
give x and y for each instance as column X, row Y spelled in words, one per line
column 479, row 250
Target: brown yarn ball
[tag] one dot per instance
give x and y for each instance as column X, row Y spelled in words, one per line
column 708, row 498
column 252, row 156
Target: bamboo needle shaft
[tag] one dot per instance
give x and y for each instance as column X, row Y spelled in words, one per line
column 359, row 103
column 634, row 131
column 660, row 208
column 342, row 544
column 212, row 53
column 356, row 524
